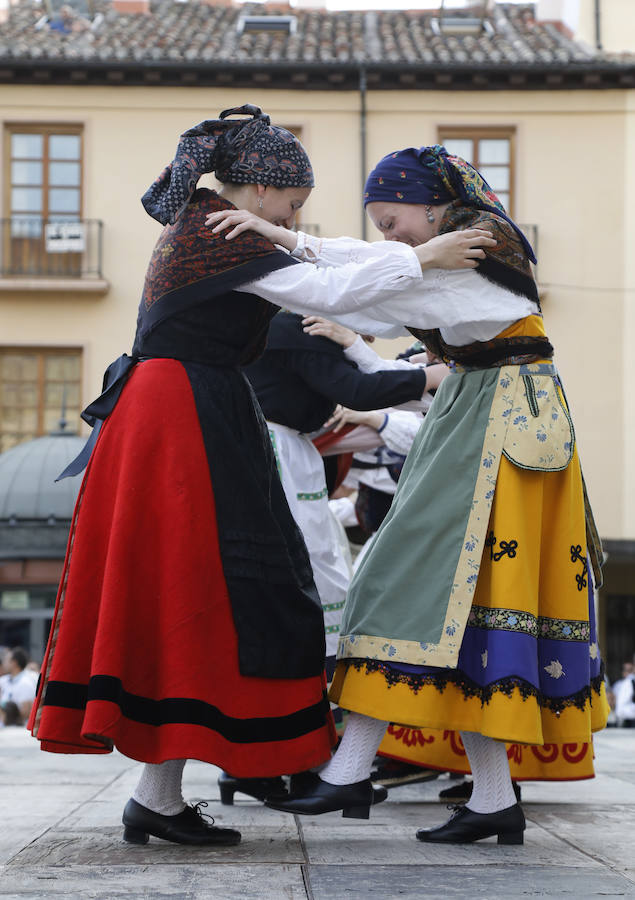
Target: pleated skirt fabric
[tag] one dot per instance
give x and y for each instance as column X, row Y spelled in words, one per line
column 143, row 652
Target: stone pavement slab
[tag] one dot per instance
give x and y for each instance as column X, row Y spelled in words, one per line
column 397, row 845
column 414, row 882
column 104, row 846
column 187, row 881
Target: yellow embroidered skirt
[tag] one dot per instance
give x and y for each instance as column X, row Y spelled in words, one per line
column 529, row 670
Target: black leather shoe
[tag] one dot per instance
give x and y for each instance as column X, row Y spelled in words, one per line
column 462, row 791
column 188, row 827
column 465, row 827
column 304, row 781
column 259, row 788
column 355, row 800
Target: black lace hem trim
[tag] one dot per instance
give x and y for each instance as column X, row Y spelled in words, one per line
column 440, row 679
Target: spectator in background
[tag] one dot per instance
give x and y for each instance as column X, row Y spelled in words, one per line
column 9, row 714
column 624, row 692
column 18, row 685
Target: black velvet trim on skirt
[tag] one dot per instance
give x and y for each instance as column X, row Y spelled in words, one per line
column 187, row 711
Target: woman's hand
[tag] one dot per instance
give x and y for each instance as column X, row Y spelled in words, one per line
column 316, row 325
column 240, row 220
column 455, row 250
column 343, row 416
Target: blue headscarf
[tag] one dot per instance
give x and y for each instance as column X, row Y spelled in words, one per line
column 431, row 176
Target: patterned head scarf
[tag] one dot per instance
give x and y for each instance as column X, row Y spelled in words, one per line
column 243, row 151
column 431, row 176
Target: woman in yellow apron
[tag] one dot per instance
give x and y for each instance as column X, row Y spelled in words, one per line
column 472, row 614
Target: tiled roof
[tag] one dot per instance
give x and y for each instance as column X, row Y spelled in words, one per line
column 194, row 35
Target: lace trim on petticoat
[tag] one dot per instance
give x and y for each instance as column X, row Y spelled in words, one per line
column 440, row 679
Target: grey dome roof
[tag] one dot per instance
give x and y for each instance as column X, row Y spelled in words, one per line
column 27, row 479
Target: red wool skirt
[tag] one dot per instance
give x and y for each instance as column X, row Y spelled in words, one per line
column 143, row 653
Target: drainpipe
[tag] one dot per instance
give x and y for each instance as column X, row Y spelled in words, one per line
column 598, row 26
column 362, row 140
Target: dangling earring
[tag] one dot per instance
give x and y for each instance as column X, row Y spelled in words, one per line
column 429, row 214
column 260, row 204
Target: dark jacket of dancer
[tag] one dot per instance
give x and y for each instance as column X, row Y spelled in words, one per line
column 300, row 378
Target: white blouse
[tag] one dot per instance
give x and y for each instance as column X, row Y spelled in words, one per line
column 378, row 288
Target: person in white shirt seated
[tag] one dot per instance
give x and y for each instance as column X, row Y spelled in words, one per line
column 19, row 685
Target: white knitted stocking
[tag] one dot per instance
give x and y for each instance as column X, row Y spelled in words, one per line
column 492, row 788
column 354, row 757
column 159, row 787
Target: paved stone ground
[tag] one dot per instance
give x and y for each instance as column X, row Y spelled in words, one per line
column 60, row 837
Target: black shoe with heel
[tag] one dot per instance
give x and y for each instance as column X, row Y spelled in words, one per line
column 187, row 827
column 465, row 827
column 304, row 781
column 355, row 800
column 258, row 788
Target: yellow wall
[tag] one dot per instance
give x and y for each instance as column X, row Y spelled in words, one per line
column 574, row 179
column 617, row 24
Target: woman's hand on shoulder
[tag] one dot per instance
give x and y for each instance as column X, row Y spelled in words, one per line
column 455, row 250
column 240, row 220
column 318, row 326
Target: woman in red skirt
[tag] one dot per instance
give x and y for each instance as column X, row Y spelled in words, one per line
column 187, row 622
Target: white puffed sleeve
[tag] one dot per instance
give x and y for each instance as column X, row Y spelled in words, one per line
column 386, row 290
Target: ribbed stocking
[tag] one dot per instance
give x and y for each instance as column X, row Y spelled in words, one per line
column 354, row 757
column 492, row 789
column 159, row 787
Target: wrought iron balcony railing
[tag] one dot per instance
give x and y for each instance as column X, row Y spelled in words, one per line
column 33, row 247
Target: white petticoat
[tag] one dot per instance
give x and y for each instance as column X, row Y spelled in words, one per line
column 302, row 474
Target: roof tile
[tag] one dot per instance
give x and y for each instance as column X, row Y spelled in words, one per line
column 200, row 32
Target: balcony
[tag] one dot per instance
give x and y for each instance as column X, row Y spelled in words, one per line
column 51, row 255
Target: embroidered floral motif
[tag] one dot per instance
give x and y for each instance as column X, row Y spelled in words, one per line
column 594, row 650
column 526, row 623
column 554, row 669
column 315, row 495
column 489, row 460
column 484, row 659
column 576, row 556
column 409, row 736
column 507, row 548
column 331, row 607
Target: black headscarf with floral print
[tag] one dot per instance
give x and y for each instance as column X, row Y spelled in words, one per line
column 243, row 151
